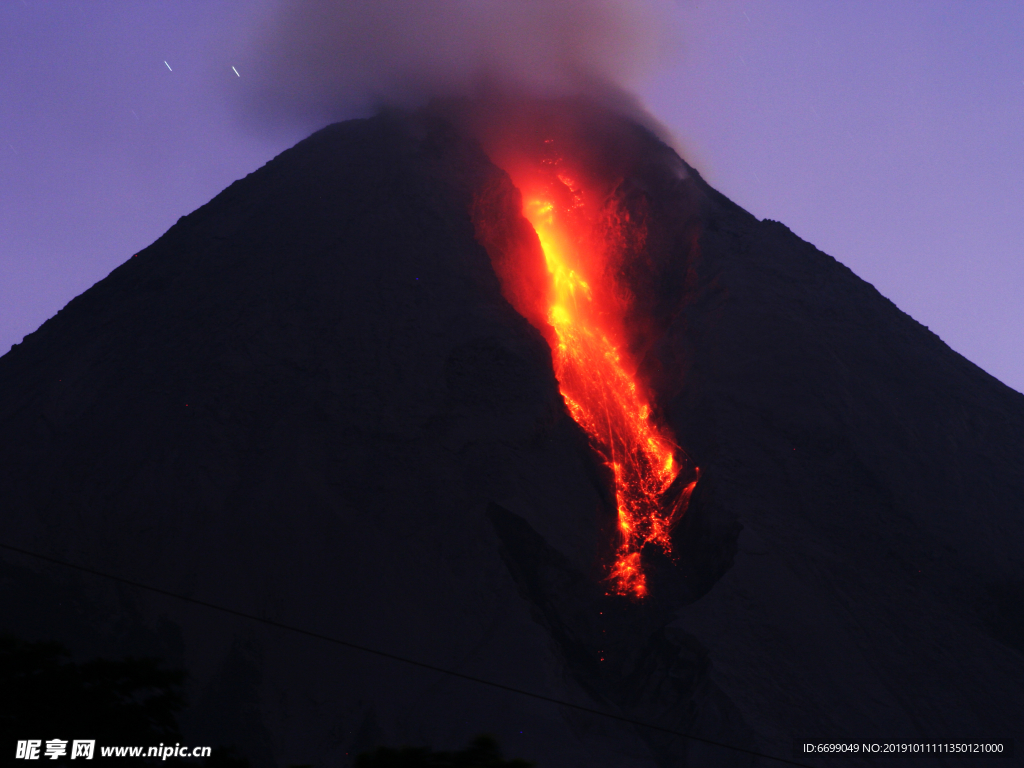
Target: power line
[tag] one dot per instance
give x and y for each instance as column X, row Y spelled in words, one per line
column 392, row 656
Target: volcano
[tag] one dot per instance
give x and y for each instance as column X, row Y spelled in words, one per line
column 344, row 397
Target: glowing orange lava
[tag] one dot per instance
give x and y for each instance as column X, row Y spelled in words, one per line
column 597, row 379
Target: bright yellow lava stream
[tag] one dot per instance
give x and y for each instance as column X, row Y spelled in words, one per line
column 604, row 399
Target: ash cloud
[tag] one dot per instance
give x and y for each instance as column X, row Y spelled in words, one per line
column 322, row 61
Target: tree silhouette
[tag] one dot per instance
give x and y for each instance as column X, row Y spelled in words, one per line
column 132, row 701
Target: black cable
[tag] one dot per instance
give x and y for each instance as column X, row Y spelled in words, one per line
column 386, row 655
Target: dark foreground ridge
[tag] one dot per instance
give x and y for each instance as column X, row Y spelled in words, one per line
column 309, row 401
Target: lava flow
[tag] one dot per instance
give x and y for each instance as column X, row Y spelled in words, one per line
column 585, row 307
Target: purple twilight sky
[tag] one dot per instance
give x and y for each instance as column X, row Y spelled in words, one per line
column 888, row 134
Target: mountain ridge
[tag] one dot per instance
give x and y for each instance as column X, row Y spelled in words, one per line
column 310, row 400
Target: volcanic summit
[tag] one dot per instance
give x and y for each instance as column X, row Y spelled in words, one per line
column 527, row 401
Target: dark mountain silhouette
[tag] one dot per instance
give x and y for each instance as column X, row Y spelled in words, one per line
column 309, row 401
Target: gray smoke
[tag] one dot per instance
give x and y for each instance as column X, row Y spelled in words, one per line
column 321, row 61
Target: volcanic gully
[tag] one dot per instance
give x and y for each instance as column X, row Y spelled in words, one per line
column 527, row 400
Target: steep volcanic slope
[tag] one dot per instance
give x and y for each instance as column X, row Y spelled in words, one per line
column 879, row 478
column 310, row 401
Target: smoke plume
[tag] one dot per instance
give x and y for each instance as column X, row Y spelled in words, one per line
column 321, row 61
